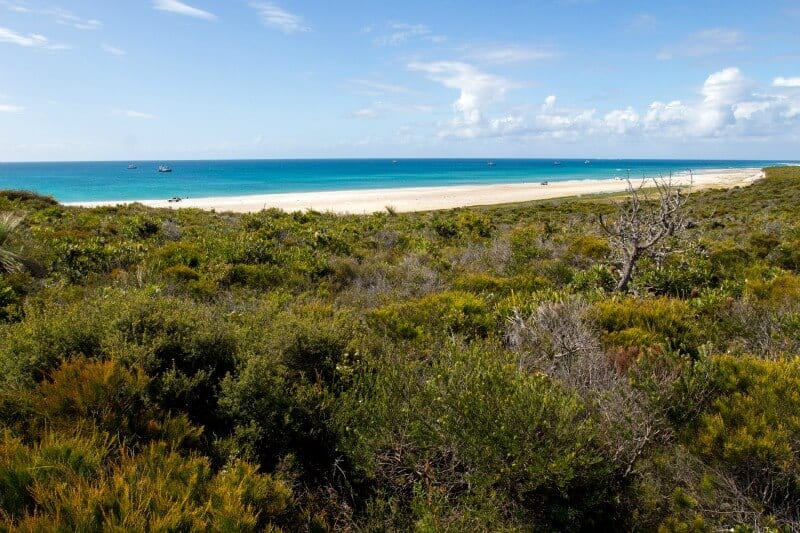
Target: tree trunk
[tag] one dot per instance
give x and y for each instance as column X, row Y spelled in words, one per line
column 627, row 272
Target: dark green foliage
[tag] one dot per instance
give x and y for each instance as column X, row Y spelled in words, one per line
column 28, row 197
column 187, row 350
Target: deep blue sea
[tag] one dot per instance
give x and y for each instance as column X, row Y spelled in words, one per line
column 103, row 181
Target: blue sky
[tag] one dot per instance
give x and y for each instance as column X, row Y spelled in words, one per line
column 195, row 79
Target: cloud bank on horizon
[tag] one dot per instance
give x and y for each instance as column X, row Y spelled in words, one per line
column 293, row 78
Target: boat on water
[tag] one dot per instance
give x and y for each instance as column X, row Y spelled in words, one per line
column 164, row 168
column 394, row 161
column 132, row 166
column 557, row 163
column 586, row 162
column 491, row 163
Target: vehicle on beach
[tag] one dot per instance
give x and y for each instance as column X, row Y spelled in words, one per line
column 164, row 168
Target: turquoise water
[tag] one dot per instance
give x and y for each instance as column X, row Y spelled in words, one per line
column 108, row 181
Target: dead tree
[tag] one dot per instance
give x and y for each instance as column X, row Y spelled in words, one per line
column 643, row 221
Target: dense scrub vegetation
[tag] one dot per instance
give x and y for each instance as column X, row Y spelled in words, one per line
column 462, row 370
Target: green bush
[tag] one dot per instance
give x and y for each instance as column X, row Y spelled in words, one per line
column 180, row 254
column 467, row 430
column 78, row 484
column 488, row 284
column 749, row 429
column 29, row 350
column 181, row 273
column 587, row 249
column 661, row 320
column 526, row 246
column 186, row 351
column 450, row 312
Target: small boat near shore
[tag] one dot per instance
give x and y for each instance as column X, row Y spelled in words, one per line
column 132, row 166
column 491, row 164
column 164, row 168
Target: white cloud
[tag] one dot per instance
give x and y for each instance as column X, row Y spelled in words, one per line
column 513, row 54
column 712, row 41
column 31, row 40
column 8, row 108
column 727, row 106
column 274, row 16
column 401, row 33
column 380, row 109
column 562, row 123
column 621, row 121
column 786, row 82
column 181, row 8
column 113, row 50
column 477, row 90
column 60, row 15
column 731, row 106
column 377, row 87
column 67, row 18
column 132, row 113
column 746, row 110
column 15, row 6
column 666, row 117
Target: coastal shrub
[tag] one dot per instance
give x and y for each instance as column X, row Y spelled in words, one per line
column 109, row 396
column 749, row 428
column 488, row 284
column 787, row 255
column 678, row 276
column 453, row 312
column 763, row 243
column 468, row 430
column 445, row 227
column 595, row 277
column 664, row 320
column 279, row 398
column 258, row 276
column 366, row 365
column 181, row 273
column 313, row 340
column 13, row 289
column 776, row 290
column 728, row 261
column 180, row 254
column 76, row 484
column 558, row 272
column 475, row 223
column 526, row 246
column 587, row 249
column 29, row 350
column 185, row 349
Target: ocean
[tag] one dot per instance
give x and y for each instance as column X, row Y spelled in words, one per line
column 109, row 181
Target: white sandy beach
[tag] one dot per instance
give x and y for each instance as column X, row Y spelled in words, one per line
column 432, row 198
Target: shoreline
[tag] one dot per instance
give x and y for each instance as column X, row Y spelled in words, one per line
column 433, row 198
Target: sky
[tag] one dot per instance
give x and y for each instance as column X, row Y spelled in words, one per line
column 236, row 79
